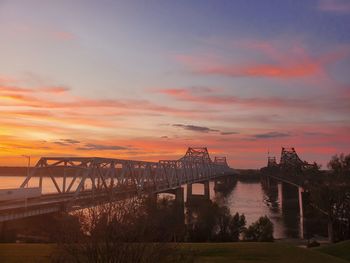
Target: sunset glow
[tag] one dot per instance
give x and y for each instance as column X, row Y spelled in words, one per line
column 147, row 81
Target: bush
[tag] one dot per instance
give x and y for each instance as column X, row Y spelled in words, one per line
column 261, row 230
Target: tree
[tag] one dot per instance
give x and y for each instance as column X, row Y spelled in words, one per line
column 330, row 194
column 261, row 230
column 229, row 227
column 118, row 232
column 202, row 222
column 340, row 165
column 215, row 223
column 237, row 226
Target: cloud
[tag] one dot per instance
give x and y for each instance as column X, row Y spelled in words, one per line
column 100, row 147
column 282, row 69
column 282, row 60
column 188, row 95
column 43, row 31
column 195, row 128
column 335, row 6
column 57, row 89
column 62, row 35
column 71, row 141
column 16, row 96
column 66, row 142
column 6, row 79
column 4, row 88
column 338, row 103
column 15, row 89
column 270, row 135
column 228, row 133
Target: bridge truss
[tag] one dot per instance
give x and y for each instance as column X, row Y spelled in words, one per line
column 289, row 161
column 79, row 176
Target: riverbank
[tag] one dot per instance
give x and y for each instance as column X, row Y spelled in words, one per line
column 248, row 174
column 13, row 171
column 207, row 252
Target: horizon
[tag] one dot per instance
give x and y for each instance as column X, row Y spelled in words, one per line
column 138, row 81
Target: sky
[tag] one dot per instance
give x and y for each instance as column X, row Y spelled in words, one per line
column 144, row 80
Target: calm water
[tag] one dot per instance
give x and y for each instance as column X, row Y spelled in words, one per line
column 248, row 198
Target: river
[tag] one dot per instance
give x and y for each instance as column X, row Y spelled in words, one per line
column 245, row 197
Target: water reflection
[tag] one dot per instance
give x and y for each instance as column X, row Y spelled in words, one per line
column 253, row 200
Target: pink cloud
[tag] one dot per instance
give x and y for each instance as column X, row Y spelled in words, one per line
column 211, row 97
column 336, row 6
column 54, row 89
column 284, row 70
column 5, row 79
column 284, row 64
column 63, row 35
column 39, row 98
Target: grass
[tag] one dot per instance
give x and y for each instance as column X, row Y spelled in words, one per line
column 341, row 250
column 204, row 252
column 29, row 253
column 257, row 252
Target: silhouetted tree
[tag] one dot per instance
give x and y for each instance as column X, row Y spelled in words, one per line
column 215, row 223
column 261, row 230
column 118, row 232
column 229, row 227
column 331, row 195
column 202, row 222
column 340, row 165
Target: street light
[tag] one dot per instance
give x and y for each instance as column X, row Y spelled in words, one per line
column 28, row 167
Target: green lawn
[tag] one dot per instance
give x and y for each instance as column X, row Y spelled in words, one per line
column 258, row 252
column 205, row 252
column 341, row 249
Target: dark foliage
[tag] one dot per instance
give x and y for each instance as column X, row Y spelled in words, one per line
column 212, row 222
column 330, row 194
column 119, row 232
column 260, row 231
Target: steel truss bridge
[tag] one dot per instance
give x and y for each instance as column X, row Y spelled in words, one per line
column 80, row 182
column 289, row 161
column 290, row 169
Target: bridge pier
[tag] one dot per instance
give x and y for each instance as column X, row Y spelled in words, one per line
column 177, row 192
column 206, row 193
column 293, row 200
column 219, row 183
column 179, row 202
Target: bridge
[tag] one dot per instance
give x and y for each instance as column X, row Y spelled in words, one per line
column 290, row 169
column 81, row 182
column 287, row 179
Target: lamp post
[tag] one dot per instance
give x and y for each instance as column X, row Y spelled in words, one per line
column 28, row 167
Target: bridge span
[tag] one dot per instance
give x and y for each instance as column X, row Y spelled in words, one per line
column 81, row 182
